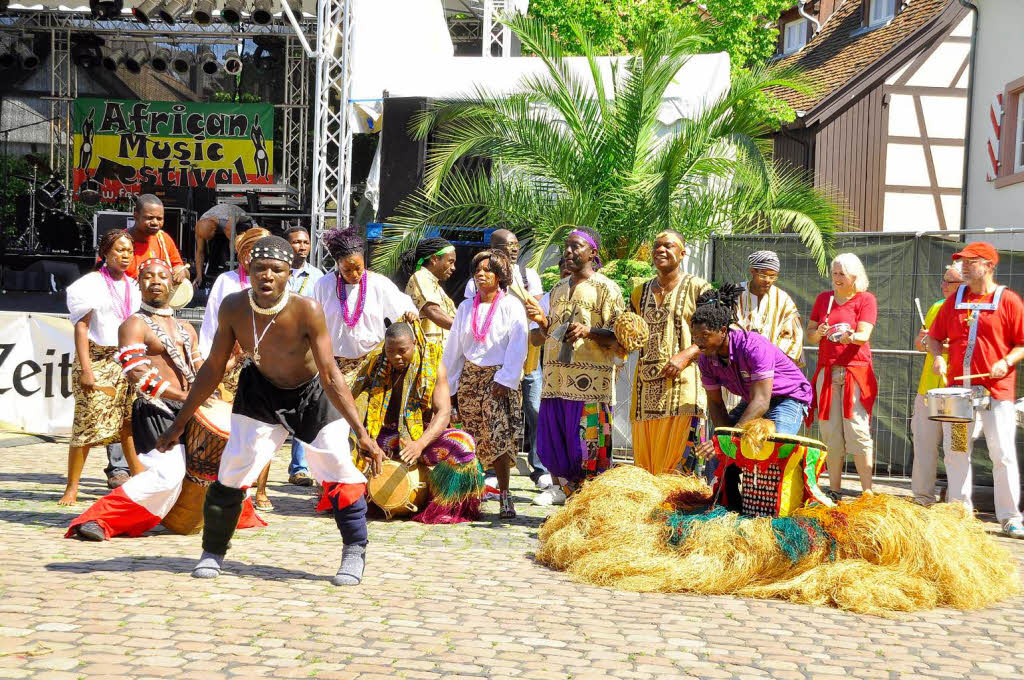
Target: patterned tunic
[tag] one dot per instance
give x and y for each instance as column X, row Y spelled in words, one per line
column 590, row 377
column 776, row 317
column 423, row 288
column 653, row 395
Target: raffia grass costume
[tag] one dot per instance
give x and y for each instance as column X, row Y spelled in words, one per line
column 878, row 554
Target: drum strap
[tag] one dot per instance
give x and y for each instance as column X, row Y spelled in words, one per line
column 170, row 346
column 974, row 310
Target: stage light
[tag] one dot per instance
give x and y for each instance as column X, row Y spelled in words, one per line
column 203, row 12
column 232, row 63
column 106, row 9
column 26, row 57
column 262, row 12
column 161, row 59
column 112, row 58
column 134, row 61
column 207, row 61
column 172, row 10
column 182, row 61
column 231, row 11
column 85, row 56
column 145, row 12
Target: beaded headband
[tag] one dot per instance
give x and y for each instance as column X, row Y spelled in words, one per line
column 151, row 261
column 270, row 252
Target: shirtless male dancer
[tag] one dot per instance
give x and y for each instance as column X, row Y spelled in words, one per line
column 159, row 354
column 292, row 384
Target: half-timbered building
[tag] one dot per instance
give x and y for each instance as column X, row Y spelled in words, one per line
column 884, row 128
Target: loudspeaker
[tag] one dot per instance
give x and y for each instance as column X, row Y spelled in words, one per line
column 401, row 157
column 106, row 220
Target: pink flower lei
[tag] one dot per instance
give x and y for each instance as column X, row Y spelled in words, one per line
column 352, row 320
column 478, row 334
column 124, row 310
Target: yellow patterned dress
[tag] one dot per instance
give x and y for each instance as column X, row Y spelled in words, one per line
column 424, row 288
column 666, row 412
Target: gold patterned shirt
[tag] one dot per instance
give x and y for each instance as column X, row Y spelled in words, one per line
column 669, row 321
column 423, row 288
column 591, row 375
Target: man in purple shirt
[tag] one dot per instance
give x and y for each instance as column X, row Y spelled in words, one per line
column 769, row 383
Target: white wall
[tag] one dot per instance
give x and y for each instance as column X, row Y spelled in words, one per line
column 910, row 204
column 999, row 60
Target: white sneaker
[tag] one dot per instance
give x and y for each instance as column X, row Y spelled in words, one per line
column 544, row 481
column 552, row 495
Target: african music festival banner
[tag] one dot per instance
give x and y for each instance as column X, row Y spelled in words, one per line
column 123, row 144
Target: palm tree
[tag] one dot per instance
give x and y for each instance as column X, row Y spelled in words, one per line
column 564, row 152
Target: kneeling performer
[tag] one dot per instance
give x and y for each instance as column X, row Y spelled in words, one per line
column 408, row 413
column 159, row 355
column 280, row 392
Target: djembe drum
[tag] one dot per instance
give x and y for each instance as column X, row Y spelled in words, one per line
column 399, row 489
column 204, row 440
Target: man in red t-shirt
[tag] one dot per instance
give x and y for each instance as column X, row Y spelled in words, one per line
column 151, row 240
column 998, row 344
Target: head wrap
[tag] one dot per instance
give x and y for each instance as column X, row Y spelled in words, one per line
column 151, row 261
column 672, row 235
column 446, row 249
column 764, row 259
column 272, row 248
column 590, row 241
column 247, row 239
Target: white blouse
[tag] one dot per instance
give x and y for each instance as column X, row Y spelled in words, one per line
column 91, row 294
column 505, row 344
column 383, row 301
column 226, row 284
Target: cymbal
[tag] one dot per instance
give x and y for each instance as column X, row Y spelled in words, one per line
column 39, row 162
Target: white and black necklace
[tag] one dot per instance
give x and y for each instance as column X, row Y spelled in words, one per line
column 159, row 311
column 266, row 311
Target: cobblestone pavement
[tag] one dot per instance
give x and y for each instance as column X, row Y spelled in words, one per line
column 459, row 601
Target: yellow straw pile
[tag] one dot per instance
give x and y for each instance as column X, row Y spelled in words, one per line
column 891, row 554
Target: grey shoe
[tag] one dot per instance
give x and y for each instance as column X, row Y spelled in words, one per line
column 1014, row 529
column 91, row 531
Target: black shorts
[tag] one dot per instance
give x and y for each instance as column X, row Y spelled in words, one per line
column 150, row 421
column 302, row 410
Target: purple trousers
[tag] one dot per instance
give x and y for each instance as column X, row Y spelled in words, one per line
column 574, row 438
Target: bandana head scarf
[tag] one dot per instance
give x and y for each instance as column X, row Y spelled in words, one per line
column 589, row 240
column 764, row 259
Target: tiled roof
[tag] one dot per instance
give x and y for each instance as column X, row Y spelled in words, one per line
column 840, row 52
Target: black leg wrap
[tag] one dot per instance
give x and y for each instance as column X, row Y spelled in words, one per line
column 351, row 522
column 220, row 517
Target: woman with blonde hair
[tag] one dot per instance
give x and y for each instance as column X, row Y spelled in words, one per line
column 844, row 382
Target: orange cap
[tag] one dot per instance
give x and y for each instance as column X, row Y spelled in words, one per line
column 985, row 251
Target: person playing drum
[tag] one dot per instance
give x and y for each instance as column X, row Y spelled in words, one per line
column 984, row 325
column 159, row 356
column 291, row 385
column 408, row 413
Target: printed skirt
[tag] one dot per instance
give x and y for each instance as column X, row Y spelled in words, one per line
column 495, row 424
column 98, row 413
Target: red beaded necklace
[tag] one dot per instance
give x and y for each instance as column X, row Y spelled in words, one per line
column 352, row 320
column 478, row 334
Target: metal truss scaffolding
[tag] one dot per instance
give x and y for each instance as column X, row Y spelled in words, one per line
column 496, row 33
column 332, row 132
column 62, row 26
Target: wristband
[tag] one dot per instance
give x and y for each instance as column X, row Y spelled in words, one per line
column 134, row 363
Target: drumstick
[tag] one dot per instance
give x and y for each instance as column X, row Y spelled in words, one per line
column 972, row 377
column 917, row 302
column 106, row 389
column 828, row 311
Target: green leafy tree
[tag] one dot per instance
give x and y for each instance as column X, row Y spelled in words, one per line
column 565, row 152
column 746, row 29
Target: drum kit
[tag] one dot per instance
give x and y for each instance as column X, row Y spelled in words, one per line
column 43, row 222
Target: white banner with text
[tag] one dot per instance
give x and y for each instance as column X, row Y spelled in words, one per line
column 36, row 354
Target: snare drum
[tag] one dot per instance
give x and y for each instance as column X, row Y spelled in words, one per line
column 399, row 490
column 204, row 440
column 955, row 404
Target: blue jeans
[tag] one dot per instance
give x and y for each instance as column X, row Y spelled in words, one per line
column 298, row 462
column 787, row 414
column 531, row 407
column 116, row 461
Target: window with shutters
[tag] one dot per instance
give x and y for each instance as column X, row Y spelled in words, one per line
column 1011, row 136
